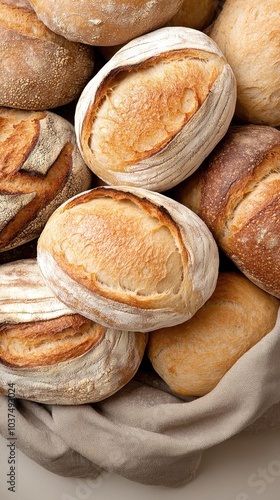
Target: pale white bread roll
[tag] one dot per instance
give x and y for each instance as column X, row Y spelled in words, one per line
column 53, row 355
column 128, row 258
column 38, row 68
column 41, row 167
column 156, row 109
column 248, row 33
column 237, row 194
column 106, row 22
column 193, row 357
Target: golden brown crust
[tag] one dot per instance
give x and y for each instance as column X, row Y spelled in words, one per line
column 193, row 357
column 109, row 22
column 38, row 69
column 40, row 167
column 236, row 193
column 45, row 343
column 194, row 14
column 128, row 258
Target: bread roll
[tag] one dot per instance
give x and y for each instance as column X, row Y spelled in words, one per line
column 193, row 357
column 127, row 258
column 236, row 192
column 156, row 109
column 248, row 33
column 40, row 168
column 38, row 69
column 107, row 22
column 53, row 355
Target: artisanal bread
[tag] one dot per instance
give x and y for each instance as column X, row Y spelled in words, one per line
column 38, row 68
column 156, row 109
column 127, row 258
column 194, row 14
column 107, row 22
column 192, row 357
column 237, row 193
column 41, row 167
column 248, row 33
column 53, row 355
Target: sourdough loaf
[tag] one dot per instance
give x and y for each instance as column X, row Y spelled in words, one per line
column 40, row 167
column 193, row 357
column 38, row 68
column 156, row 109
column 237, row 193
column 128, row 258
column 53, row 355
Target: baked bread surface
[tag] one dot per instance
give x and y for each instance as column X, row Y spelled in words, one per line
column 236, row 192
column 193, row 357
column 128, row 257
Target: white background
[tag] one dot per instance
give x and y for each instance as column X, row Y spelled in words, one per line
column 246, row 467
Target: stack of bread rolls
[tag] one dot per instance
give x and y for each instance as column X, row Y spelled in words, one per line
column 139, row 194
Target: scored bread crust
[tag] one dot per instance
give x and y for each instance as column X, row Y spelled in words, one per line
column 127, row 258
column 236, row 192
column 41, row 167
column 38, row 68
column 156, row 109
column 52, row 354
column 106, row 22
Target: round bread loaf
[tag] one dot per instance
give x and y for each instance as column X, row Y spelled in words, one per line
column 53, row 355
column 156, row 109
column 130, row 259
column 40, row 168
column 237, row 193
column 107, row 22
column 193, row 357
column 38, row 68
column 248, row 33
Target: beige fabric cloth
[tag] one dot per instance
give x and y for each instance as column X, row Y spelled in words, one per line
column 146, row 434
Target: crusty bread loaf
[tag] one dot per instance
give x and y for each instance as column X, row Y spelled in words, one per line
column 38, row 68
column 248, row 33
column 53, row 355
column 193, row 357
column 128, row 258
column 40, row 168
column 106, row 22
column 237, row 193
column 156, row 109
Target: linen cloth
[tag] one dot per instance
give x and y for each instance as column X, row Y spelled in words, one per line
column 147, row 434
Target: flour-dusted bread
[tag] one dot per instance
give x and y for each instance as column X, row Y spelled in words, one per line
column 156, row 109
column 237, row 193
column 128, row 258
column 248, row 33
column 104, row 22
column 53, row 355
column 40, row 168
column 193, row 357
column 38, row 68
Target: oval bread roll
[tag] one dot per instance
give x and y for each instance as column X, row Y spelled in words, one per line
column 193, row 357
column 38, row 69
column 156, row 109
column 40, row 168
column 194, row 14
column 127, row 258
column 53, row 355
column 248, row 33
column 107, row 22
column 237, row 193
